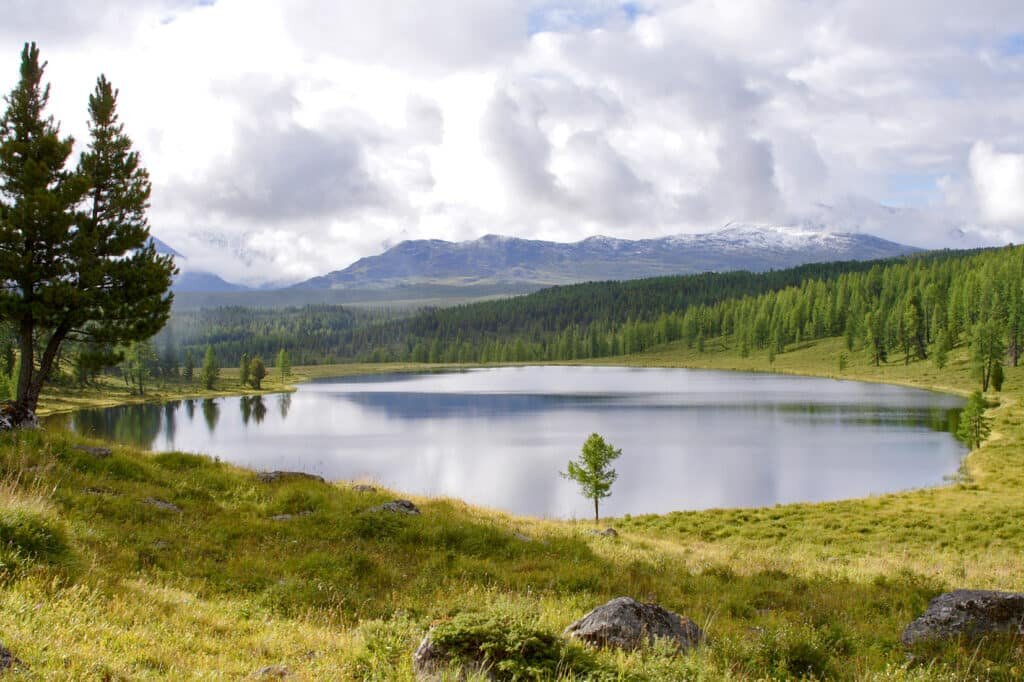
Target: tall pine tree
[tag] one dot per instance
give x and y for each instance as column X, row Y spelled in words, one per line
column 75, row 257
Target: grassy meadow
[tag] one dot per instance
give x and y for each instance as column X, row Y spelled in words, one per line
column 99, row 579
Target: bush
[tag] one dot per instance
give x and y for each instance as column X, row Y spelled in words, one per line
column 511, row 648
column 28, row 536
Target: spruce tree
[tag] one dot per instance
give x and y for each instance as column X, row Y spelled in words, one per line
column 75, row 257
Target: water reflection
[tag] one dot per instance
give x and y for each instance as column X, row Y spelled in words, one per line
column 499, row 437
column 211, row 414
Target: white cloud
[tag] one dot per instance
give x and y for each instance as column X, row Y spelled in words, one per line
column 306, row 134
column 999, row 183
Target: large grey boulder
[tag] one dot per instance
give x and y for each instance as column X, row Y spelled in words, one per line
column 625, row 623
column 970, row 614
column 276, row 476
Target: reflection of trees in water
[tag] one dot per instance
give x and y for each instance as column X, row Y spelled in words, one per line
column 259, row 409
column 190, row 409
column 170, row 421
column 284, row 403
column 211, row 413
column 252, row 407
column 137, row 425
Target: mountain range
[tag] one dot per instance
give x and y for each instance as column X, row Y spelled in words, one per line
column 496, row 259
column 434, row 271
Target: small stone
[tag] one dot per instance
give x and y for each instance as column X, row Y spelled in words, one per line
column 625, row 623
column 968, row 613
column 98, row 491
column 289, row 517
column 606, row 533
column 8, row 660
column 277, row 476
column 397, row 507
column 165, row 506
column 363, row 488
column 272, row 671
column 522, row 537
column 98, row 453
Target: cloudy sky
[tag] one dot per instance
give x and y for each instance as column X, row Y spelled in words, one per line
column 286, row 139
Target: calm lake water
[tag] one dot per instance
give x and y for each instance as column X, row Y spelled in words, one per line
column 690, row 439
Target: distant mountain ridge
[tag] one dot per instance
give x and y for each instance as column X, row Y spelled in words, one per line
column 194, row 281
column 510, row 260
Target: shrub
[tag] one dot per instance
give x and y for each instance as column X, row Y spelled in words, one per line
column 511, row 648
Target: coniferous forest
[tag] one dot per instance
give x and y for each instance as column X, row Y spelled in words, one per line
column 916, row 307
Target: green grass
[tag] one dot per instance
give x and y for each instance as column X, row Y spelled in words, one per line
column 103, row 584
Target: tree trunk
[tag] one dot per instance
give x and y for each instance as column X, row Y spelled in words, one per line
column 29, row 400
column 597, row 519
column 26, row 362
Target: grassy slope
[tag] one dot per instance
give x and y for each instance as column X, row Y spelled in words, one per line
column 122, row 589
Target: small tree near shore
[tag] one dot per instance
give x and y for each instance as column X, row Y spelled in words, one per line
column 592, row 471
column 210, row 370
column 257, row 372
column 974, row 426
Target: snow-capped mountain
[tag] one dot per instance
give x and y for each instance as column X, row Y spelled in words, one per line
column 499, row 259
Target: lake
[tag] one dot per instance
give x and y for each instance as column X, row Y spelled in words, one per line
column 690, row 439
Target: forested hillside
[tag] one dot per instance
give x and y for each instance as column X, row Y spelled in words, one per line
column 600, row 319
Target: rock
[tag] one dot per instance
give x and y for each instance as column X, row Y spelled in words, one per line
column 272, row 671
column 606, row 533
column 98, row 453
column 429, row 659
column 160, row 504
column 363, row 488
column 289, row 517
column 396, row 506
column 522, row 537
column 13, row 417
column 625, row 623
column 100, row 491
column 968, row 613
column 276, row 476
column 7, row 660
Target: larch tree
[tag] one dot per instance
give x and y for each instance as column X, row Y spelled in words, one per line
column 210, row 370
column 76, row 260
column 592, row 470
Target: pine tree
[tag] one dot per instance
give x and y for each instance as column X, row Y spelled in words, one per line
column 78, row 274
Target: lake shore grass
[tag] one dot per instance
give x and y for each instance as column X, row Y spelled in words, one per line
column 108, row 584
